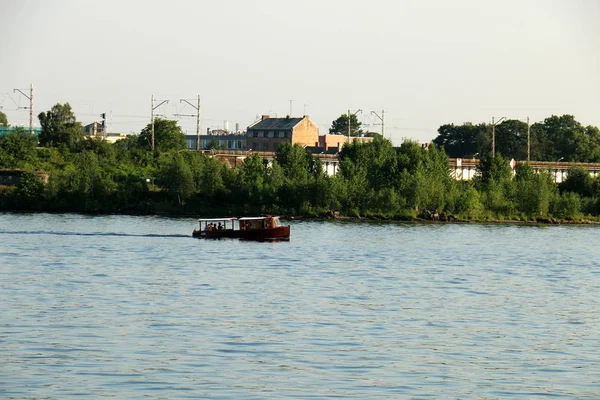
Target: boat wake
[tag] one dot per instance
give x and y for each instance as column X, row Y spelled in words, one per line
column 58, row 233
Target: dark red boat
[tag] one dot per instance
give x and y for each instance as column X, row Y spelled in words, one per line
column 248, row 228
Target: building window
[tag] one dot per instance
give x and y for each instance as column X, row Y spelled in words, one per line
column 281, row 134
column 271, row 134
column 261, row 134
column 266, row 146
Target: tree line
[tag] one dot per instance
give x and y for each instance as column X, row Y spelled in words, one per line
column 554, row 138
column 374, row 180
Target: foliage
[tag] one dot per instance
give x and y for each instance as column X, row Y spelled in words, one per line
column 3, row 119
column 578, row 181
column 17, row 149
column 168, row 136
column 374, row 179
column 535, row 191
column 60, row 127
column 340, row 126
column 465, row 140
column 557, row 137
column 176, row 178
column 29, row 192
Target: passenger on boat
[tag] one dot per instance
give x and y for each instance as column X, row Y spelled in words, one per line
column 220, row 227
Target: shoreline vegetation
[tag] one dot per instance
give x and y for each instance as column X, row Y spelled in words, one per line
column 374, row 181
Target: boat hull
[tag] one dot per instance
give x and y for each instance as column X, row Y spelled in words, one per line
column 275, row 233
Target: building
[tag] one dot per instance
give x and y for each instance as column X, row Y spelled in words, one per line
column 95, row 129
column 6, row 130
column 267, row 133
column 330, row 141
column 217, row 139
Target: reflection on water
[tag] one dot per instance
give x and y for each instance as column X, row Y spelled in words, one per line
column 133, row 307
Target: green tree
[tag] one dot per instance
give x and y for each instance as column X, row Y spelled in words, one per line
column 511, row 139
column 563, row 136
column 295, row 162
column 17, row 149
column 535, row 190
column 495, row 184
column 29, row 191
column 3, row 119
column 340, row 126
column 578, row 181
column 494, row 168
column 176, row 178
column 168, row 136
column 60, row 127
column 466, row 140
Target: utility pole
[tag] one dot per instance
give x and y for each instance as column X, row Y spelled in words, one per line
column 152, row 116
column 381, row 118
column 350, row 121
column 494, row 135
column 103, row 124
column 30, row 97
column 197, row 115
column 528, row 140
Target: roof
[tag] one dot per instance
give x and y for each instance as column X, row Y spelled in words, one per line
column 216, row 219
column 254, row 218
column 274, row 124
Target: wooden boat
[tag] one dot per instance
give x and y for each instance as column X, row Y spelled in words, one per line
column 247, row 228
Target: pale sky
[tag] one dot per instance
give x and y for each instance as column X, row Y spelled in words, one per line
column 425, row 63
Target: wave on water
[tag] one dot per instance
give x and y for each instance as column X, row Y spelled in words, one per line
column 57, row 233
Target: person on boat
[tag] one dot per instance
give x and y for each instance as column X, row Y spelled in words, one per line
column 220, row 227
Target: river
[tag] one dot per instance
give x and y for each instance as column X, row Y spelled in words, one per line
column 134, row 307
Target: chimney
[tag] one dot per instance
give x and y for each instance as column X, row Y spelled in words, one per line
column 265, row 116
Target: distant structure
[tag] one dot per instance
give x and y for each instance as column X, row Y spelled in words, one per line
column 217, row 139
column 267, row 133
column 6, row 130
column 95, row 129
column 328, row 142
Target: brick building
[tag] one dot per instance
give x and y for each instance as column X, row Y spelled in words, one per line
column 268, row 133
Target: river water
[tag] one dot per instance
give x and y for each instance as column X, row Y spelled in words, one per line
column 134, row 307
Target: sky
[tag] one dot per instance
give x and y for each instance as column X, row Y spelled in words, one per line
column 419, row 64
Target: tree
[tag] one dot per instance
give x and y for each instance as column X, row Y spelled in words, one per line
column 295, row 162
column 60, row 127
column 511, row 139
column 3, row 119
column 578, row 181
column 464, row 140
column 18, row 148
column 340, row 126
column 29, row 191
column 176, row 178
column 535, row 190
column 168, row 136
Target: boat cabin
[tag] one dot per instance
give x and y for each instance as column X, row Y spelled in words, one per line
column 249, row 223
column 216, row 224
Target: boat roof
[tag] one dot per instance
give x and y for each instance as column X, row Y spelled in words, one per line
column 216, row 219
column 255, row 218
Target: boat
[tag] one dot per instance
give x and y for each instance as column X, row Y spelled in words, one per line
column 247, row 228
